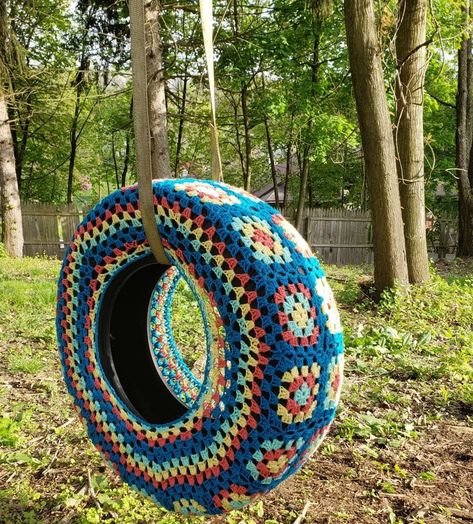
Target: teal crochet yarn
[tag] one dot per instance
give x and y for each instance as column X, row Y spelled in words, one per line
column 273, row 339
column 166, row 355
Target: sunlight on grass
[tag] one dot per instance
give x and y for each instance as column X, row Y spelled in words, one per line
column 27, row 294
column 188, row 327
column 25, row 362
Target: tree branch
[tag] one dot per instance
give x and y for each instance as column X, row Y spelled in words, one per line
column 442, row 102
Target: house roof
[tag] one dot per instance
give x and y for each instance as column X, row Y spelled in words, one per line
column 268, row 190
column 266, row 193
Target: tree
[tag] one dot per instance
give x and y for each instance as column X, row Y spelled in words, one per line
column 264, row 126
column 390, row 265
column 464, row 160
column 39, row 30
column 12, row 227
column 79, row 85
column 160, row 158
column 411, row 67
column 315, row 65
column 99, row 39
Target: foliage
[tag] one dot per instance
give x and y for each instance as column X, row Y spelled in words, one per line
column 188, row 325
column 261, row 47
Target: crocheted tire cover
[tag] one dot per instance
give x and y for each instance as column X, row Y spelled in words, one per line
column 274, row 345
column 166, row 355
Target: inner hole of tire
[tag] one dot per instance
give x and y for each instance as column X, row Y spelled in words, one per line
column 124, row 344
column 188, row 329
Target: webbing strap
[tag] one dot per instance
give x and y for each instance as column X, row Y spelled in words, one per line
column 142, row 130
column 206, row 17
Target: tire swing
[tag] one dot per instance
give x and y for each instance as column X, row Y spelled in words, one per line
column 273, row 339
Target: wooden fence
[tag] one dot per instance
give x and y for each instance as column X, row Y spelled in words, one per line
column 339, row 236
column 342, row 236
column 442, row 239
column 48, row 229
column 336, row 236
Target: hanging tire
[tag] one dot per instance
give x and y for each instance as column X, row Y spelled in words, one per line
column 273, row 340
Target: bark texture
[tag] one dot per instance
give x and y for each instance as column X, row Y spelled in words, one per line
column 182, row 113
column 78, row 84
column 409, row 133
column 465, row 188
column 310, row 125
column 274, row 174
column 160, row 160
column 126, row 159
column 304, row 179
column 390, row 266
column 238, row 136
column 288, row 165
column 246, row 127
column 245, row 158
column 12, row 227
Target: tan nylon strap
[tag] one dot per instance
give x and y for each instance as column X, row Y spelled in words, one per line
column 206, row 17
column 142, row 130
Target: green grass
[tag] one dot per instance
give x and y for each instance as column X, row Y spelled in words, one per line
column 425, row 337
column 188, row 325
column 409, row 367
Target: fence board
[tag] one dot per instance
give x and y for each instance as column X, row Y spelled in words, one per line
column 340, row 236
column 47, row 229
column 68, row 222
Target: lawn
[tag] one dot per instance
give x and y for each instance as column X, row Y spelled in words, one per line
column 400, row 450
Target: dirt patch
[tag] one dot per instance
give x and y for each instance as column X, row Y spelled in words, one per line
column 429, row 479
column 458, row 267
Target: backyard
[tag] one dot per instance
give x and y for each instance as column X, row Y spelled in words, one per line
column 400, row 450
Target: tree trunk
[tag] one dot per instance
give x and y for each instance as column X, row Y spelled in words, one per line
column 161, row 165
column 237, row 137
column 19, row 129
column 126, row 160
column 25, row 131
column 20, row 140
column 78, row 84
column 306, row 151
column 465, row 194
column 115, row 163
column 246, row 127
column 288, row 165
column 469, row 115
column 274, row 174
column 390, row 265
column 411, row 68
column 14, row 133
column 12, row 227
column 182, row 113
column 310, row 191
column 364, row 192
column 304, row 179
column 73, row 144
column 244, row 108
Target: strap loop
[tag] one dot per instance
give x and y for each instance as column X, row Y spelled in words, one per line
column 206, row 17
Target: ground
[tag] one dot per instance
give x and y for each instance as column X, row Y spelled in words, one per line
column 400, row 450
